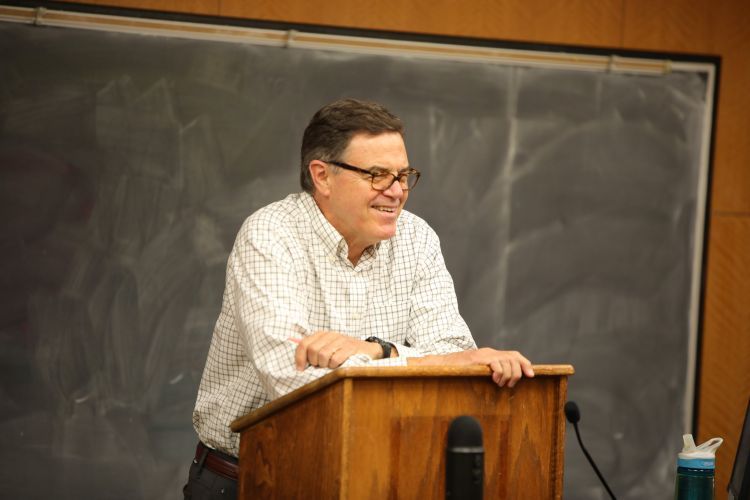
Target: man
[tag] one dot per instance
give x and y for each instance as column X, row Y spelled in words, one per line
column 338, row 275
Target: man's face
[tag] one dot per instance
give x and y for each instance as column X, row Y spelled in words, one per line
column 363, row 215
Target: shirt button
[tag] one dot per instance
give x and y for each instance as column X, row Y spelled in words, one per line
column 356, row 316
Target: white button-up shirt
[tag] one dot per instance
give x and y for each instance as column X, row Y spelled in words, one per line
column 289, row 276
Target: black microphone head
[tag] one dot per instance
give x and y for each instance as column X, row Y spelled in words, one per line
column 464, row 431
column 572, row 413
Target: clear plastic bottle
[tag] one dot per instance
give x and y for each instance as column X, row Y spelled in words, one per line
column 695, row 469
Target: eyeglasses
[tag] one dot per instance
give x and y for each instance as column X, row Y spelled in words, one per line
column 381, row 180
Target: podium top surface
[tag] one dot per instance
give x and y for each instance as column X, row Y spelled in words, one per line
column 370, row 372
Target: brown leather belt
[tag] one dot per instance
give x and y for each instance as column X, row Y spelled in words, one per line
column 215, row 462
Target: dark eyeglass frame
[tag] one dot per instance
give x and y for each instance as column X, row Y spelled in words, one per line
column 405, row 174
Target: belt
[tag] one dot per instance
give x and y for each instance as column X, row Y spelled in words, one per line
column 215, row 462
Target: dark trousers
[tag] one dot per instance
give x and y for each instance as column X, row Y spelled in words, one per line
column 204, row 484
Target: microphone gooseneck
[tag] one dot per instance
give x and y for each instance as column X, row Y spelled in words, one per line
column 573, row 415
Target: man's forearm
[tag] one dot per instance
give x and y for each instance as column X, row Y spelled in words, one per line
column 437, row 360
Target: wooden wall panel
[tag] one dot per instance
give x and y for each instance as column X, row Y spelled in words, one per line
column 731, row 180
column 669, row 25
column 203, row 7
column 725, row 370
column 721, row 28
column 572, row 22
column 731, row 190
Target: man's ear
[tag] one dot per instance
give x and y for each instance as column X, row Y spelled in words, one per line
column 320, row 176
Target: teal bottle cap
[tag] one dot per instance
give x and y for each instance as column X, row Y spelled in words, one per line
column 697, row 463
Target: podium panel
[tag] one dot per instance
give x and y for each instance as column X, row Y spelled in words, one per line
column 381, row 433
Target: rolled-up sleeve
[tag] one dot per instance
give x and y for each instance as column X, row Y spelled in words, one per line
column 271, row 303
column 435, row 324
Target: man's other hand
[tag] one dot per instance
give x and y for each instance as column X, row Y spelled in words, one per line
column 507, row 366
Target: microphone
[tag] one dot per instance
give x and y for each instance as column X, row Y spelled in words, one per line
column 573, row 415
column 464, row 460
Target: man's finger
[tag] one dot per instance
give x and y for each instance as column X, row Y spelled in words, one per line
column 341, row 355
column 526, row 366
column 313, row 351
column 343, row 349
column 333, row 359
column 300, row 355
column 507, row 372
column 326, row 353
column 497, row 372
column 515, row 376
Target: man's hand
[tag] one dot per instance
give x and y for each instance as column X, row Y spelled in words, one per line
column 331, row 349
column 507, row 366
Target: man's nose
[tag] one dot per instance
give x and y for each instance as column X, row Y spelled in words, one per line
column 395, row 190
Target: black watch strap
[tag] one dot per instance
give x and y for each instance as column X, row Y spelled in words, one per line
column 386, row 346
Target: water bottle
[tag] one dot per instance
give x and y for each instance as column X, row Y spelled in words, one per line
column 695, row 469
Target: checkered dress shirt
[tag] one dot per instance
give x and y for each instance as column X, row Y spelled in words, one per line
column 288, row 276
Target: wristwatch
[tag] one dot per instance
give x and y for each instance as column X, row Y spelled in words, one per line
column 386, row 346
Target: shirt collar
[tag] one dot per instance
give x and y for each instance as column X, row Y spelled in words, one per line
column 333, row 242
column 330, row 238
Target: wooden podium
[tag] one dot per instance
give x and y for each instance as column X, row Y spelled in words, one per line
column 380, row 432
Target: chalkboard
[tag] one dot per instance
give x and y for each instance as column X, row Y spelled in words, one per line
column 569, row 204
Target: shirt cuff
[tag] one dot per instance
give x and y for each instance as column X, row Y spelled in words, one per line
column 407, row 352
column 365, row 360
